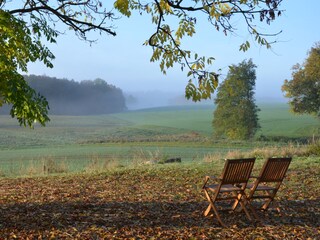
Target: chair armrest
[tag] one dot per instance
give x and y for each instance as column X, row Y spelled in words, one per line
column 207, row 179
column 213, row 177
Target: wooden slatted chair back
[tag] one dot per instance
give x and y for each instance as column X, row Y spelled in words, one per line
column 274, row 169
column 237, row 171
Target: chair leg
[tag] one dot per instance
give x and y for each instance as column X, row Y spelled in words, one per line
column 236, row 202
column 253, row 211
column 207, row 211
column 213, row 207
column 271, row 196
column 243, row 203
column 215, row 210
column 276, row 206
column 266, row 204
column 248, row 204
column 243, row 206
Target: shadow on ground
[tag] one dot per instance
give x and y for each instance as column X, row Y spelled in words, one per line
column 163, row 216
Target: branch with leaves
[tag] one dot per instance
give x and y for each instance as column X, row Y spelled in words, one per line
column 82, row 16
column 167, row 42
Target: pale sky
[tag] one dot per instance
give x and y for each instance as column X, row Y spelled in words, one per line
column 124, row 62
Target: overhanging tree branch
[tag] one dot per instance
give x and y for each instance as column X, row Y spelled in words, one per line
column 166, row 40
column 70, row 17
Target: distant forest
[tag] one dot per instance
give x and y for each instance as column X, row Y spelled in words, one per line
column 68, row 97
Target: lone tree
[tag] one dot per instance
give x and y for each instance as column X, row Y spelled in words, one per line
column 303, row 90
column 236, row 115
column 25, row 24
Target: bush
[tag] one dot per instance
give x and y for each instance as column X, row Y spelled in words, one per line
column 314, row 148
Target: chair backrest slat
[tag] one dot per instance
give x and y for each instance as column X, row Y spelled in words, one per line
column 237, row 171
column 274, row 169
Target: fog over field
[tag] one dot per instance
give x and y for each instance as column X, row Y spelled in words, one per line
column 149, row 99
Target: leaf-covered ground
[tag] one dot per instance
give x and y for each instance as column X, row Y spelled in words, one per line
column 163, row 203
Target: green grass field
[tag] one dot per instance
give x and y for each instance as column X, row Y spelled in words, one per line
column 151, row 134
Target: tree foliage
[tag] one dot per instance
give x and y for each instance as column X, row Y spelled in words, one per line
column 236, row 115
column 18, row 48
column 25, row 24
column 303, row 90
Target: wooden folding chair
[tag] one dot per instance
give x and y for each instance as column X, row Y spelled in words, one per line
column 269, row 180
column 231, row 186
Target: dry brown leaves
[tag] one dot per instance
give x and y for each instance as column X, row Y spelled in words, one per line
column 141, row 204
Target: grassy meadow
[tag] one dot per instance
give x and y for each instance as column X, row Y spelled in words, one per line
column 91, row 143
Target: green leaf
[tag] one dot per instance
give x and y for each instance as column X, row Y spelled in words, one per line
column 123, row 7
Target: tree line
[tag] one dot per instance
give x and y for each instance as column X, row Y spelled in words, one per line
column 68, row 97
